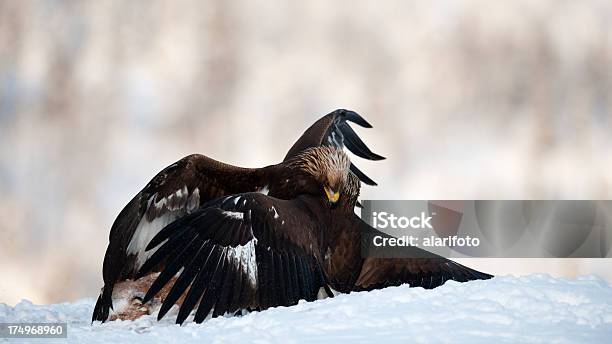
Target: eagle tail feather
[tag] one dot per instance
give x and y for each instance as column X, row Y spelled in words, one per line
column 103, row 305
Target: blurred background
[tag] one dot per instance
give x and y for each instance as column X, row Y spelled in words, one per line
column 469, row 100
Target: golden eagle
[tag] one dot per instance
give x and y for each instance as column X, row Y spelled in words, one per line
column 232, row 238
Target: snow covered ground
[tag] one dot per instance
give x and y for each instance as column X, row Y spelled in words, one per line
column 533, row 309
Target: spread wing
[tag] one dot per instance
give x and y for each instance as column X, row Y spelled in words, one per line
column 334, row 130
column 174, row 192
column 245, row 251
column 427, row 271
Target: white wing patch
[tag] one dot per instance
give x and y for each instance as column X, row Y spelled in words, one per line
column 193, row 201
column 170, row 201
column 264, row 190
column 334, row 140
column 144, row 233
column 160, row 213
column 233, row 214
column 243, row 256
column 322, row 294
column 180, row 200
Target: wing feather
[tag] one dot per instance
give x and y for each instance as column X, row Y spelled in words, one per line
column 177, row 190
column 252, row 262
column 428, row 270
column 210, row 294
column 334, row 130
column 198, row 287
column 182, row 187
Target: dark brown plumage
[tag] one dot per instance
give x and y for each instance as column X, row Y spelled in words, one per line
column 324, row 236
column 348, row 271
column 253, row 251
column 196, row 179
column 239, row 249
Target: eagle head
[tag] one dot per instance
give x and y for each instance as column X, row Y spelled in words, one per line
column 329, row 166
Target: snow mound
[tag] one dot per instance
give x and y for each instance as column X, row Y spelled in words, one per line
column 534, row 309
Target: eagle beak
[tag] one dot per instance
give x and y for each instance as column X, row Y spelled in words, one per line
column 332, row 195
